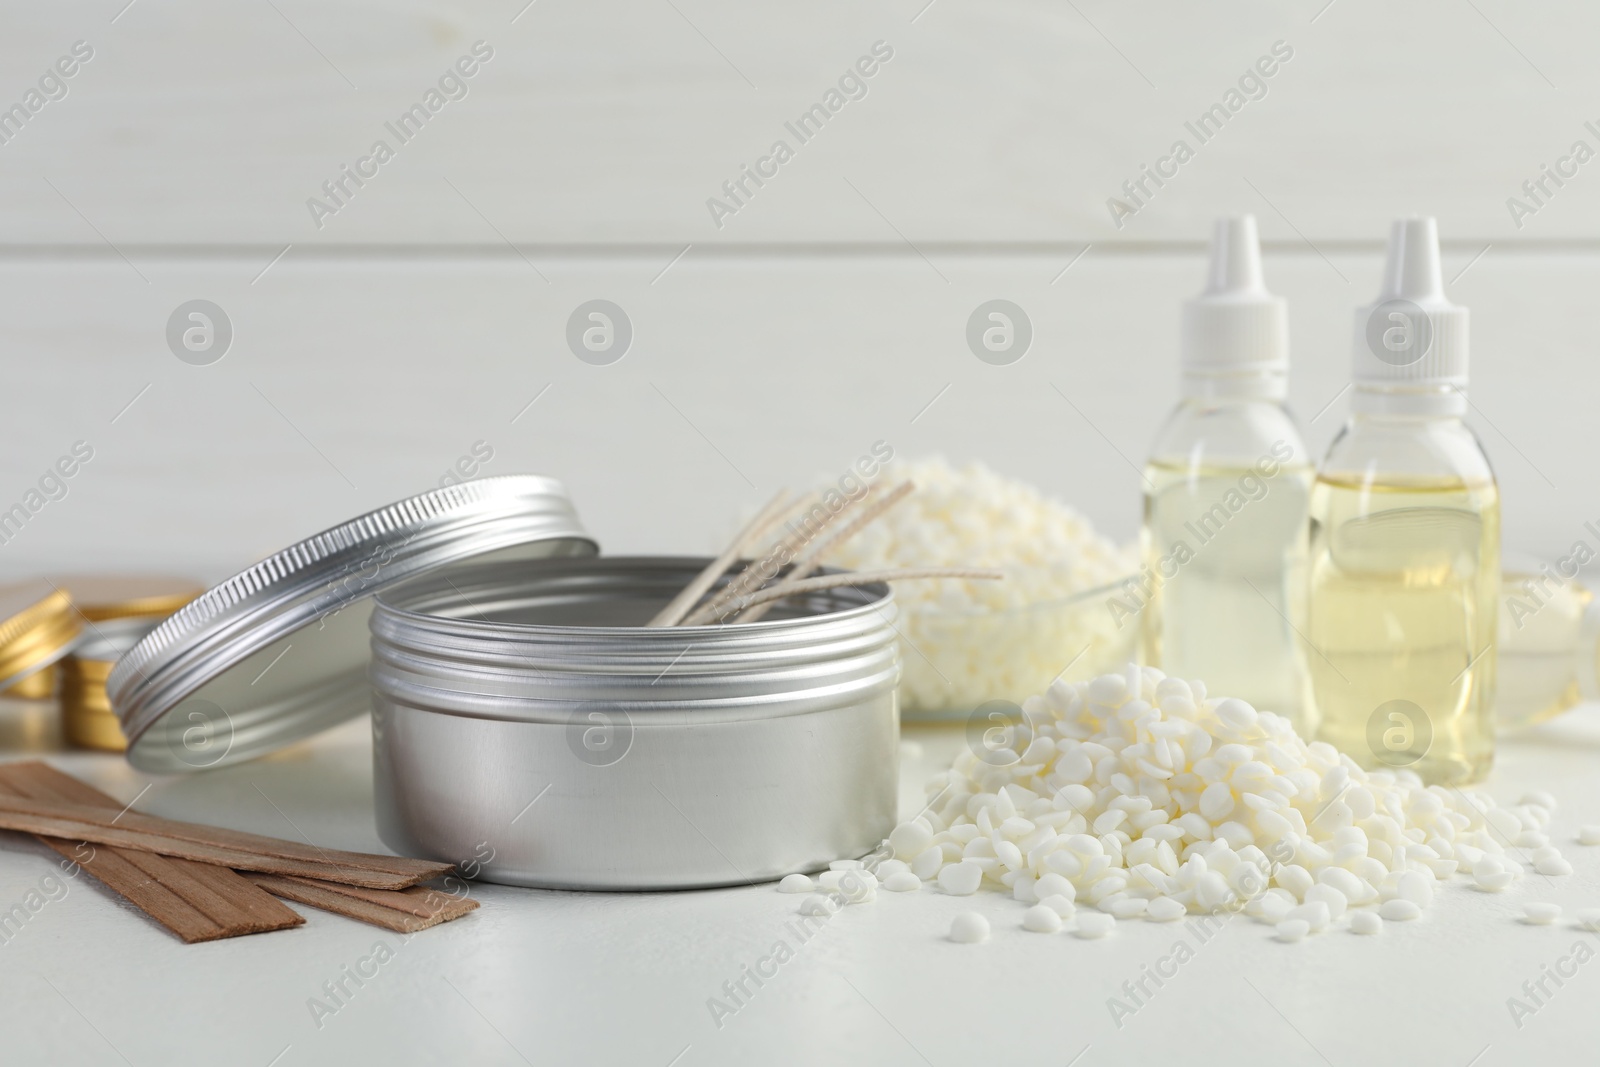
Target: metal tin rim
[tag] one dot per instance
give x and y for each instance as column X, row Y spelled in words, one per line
column 486, row 668
column 313, row 581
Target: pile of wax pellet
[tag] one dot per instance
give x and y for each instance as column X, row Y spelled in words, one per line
column 978, row 641
column 1136, row 795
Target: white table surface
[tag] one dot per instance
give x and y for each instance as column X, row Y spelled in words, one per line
column 569, row 978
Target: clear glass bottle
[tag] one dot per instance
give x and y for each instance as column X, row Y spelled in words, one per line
column 1404, row 593
column 1226, row 488
column 1549, row 646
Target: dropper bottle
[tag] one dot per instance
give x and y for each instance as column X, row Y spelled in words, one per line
column 1404, row 590
column 1226, row 487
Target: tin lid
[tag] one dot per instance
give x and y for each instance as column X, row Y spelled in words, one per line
column 37, row 627
column 279, row 651
column 99, row 597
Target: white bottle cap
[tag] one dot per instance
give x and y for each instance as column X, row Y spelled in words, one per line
column 1235, row 332
column 1412, row 336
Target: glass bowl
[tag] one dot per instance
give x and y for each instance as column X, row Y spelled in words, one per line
column 952, row 662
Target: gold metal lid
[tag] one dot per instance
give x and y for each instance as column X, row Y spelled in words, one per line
column 122, row 596
column 37, row 627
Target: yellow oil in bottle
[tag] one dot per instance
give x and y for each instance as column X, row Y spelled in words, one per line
column 1225, row 552
column 1401, row 618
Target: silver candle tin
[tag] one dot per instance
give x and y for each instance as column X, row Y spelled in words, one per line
column 528, row 726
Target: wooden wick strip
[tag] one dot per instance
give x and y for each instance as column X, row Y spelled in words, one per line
column 98, row 832
column 783, row 551
column 751, row 575
column 420, row 900
column 195, row 901
column 691, row 593
column 331, row 898
column 811, row 559
column 412, row 871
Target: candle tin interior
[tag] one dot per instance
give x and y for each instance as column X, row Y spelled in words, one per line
column 528, row 727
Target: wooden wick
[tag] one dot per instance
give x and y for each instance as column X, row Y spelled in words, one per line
column 758, row 572
column 812, row 558
column 691, row 593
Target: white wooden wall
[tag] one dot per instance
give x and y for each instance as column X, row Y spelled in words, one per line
column 373, row 351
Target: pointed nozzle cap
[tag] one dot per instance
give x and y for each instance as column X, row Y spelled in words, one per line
column 1235, row 259
column 1236, row 329
column 1412, row 334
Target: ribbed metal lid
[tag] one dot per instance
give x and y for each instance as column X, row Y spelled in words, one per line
column 37, row 627
column 279, row 651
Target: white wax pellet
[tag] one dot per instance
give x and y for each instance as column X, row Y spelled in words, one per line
column 1129, row 907
column 969, row 928
column 1041, row 919
column 888, row 867
column 1111, row 689
column 1531, row 839
column 928, row 862
column 1165, row 910
column 1274, row 910
column 1093, row 924
column 1365, row 922
column 1494, row 883
column 1537, row 914
column 910, row 839
column 1292, row 930
column 829, row 879
column 902, row 882
column 1062, row 906
column 1295, row 879
column 818, row 904
column 1324, row 894
column 1211, row 891
column 1399, row 910
column 961, row 879
column 1416, row 887
column 796, row 883
column 1442, row 869
column 1053, row 885
column 1589, row 835
column 1589, row 918
column 1236, row 714
column 1553, row 866
column 844, row 865
column 1539, row 798
column 1346, row 882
